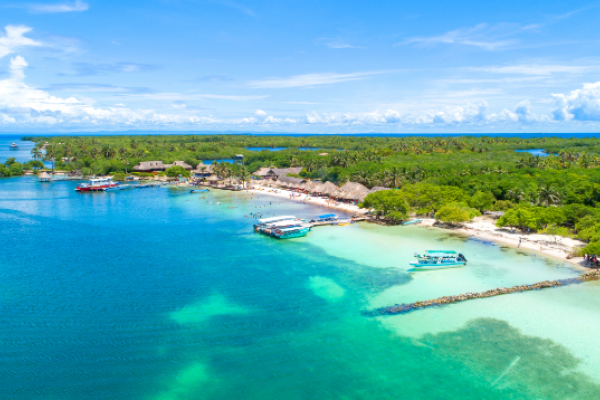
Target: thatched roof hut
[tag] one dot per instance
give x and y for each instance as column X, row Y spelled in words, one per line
column 276, row 173
column 353, row 187
column 291, row 182
column 213, row 178
column 149, row 166
column 351, row 191
column 326, row 188
column 378, row 189
column 309, row 186
column 183, row 164
column 262, row 172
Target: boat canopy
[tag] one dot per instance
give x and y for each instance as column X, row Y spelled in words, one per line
column 440, row 253
column 326, row 216
column 295, row 228
column 283, row 223
column 275, row 219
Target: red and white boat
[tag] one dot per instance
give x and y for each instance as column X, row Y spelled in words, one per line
column 96, row 185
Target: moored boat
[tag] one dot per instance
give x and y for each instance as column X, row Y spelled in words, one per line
column 97, row 185
column 266, row 221
column 292, row 223
column 199, row 190
column 438, row 259
column 289, row 233
column 325, row 218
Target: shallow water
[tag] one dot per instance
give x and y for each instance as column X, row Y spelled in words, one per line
column 162, row 294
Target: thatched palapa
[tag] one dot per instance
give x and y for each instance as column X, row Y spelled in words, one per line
column 326, row 188
column 154, row 166
column 291, row 182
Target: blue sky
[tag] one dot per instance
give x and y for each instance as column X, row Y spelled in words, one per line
column 300, row 66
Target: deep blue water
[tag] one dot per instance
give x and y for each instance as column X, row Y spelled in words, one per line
column 22, row 155
column 160, row 294
column 534, row 152
column 266, row 148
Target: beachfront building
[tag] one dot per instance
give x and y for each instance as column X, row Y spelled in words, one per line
column 202, row 171
column 276, row 173
column 261, row 173
column 352, row 191
column 158, row 166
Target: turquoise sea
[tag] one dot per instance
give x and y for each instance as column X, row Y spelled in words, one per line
column 159, row 294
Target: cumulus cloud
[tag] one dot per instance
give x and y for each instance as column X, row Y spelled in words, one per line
column 22, row 104
column 308, row 80
column 14, row 39
column 68, row 6
column 581, row 104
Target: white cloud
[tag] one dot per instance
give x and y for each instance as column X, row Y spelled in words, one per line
column 482, row 35
column 308, row 80
column 581, row 104
column 25, row 105
column 535, row 70
column 337, row 43
column 67, row 6
column 191, row 97
column 14, row 39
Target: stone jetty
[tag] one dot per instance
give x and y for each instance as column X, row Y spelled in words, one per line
column 441, row 301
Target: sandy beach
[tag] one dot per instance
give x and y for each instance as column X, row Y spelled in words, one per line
column 483, row 228
column 304, row 198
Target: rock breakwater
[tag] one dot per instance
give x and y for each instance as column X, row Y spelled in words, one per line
column 441, row 301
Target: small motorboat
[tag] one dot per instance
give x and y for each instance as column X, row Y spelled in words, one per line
column 438, row 259
column 289, row 233
column 199, row 190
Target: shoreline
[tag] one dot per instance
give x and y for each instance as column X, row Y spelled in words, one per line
column 482, row 228
column 316, row 201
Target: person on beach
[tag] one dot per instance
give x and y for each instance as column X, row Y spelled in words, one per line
column 519, row 246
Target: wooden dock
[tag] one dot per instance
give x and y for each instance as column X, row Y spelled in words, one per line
column 441, row 301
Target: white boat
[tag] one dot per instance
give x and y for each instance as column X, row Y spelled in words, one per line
column 266, row 221
column 438, row 259
column 289, row 233
column 96, row 185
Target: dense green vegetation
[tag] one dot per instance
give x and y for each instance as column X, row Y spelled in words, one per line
column 454, row 177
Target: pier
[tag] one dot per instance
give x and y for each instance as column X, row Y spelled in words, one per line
column 441, row 301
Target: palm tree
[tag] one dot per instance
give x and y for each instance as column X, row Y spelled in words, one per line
column 309, row 164
column 36, row 154
column 516, row 194
column 548, row 195
column 93, row 152
column 51, row 154
column 108, row 151
column 394, row 177
column 363, row 176
column 244, row 176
